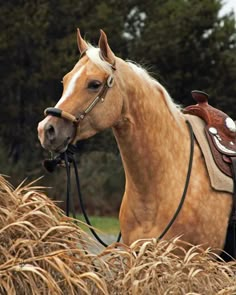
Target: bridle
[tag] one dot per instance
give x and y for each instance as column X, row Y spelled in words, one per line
column 67, row 156
column 76, row 120
column 56, row 112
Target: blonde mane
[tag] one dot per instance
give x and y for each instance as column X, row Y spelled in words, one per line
column 93, row 54
column 173, row 107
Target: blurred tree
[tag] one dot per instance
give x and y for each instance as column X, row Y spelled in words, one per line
column 189, row 46
column 186, row 44
column 22, row 49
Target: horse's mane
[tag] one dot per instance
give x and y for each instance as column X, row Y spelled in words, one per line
column 173, row 107
column 93, row 54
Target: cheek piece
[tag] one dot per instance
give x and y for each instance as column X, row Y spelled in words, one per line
column 76, row 120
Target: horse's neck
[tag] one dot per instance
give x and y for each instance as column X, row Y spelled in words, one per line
column 149, row 139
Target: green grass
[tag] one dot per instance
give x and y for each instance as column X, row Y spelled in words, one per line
column 107, row 225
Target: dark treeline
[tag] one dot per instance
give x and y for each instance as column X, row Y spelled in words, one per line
column 185, row 44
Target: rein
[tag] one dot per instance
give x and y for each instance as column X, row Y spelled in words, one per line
column 190, row 163
column 67, row 158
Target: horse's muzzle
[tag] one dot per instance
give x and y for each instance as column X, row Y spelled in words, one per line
column 55, row 134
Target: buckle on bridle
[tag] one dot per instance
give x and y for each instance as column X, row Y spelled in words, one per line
column 110, row 81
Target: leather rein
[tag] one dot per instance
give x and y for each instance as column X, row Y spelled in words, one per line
column 67, row 157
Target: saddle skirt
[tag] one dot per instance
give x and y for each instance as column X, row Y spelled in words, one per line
column 219, row 129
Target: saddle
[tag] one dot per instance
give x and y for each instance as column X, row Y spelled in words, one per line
column 220, row 131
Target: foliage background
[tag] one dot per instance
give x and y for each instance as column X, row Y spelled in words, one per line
column 185, row 44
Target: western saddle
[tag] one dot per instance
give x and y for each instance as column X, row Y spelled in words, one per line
column 220, row 131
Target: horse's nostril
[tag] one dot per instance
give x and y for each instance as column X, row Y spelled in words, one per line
column 50, row 132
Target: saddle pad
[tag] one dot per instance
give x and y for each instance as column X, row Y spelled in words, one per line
column 219, row 180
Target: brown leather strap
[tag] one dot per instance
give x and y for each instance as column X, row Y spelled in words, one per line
column 233, row 167
column 100, row 97
column 233, row 215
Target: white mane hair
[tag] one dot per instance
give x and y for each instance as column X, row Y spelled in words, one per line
column 93, row 54
column 173, row 107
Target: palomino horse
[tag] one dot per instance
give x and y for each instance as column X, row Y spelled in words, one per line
column 103, row 91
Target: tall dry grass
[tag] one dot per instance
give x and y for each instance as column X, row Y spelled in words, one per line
column 44, row 252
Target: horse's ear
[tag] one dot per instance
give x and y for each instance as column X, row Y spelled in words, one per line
column 82, row 45
column 106, row 51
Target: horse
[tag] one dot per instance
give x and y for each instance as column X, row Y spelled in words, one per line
column 104, row 91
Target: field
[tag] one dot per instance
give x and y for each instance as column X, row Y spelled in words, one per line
column 45, row 252
column 105, row 225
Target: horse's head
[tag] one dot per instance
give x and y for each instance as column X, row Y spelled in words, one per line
column 90, row 100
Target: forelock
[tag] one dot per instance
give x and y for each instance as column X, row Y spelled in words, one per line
column 94, row 55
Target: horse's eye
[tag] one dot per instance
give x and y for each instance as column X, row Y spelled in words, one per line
column 94, row 85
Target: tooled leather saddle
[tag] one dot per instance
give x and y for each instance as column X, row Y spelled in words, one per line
column 220, row 131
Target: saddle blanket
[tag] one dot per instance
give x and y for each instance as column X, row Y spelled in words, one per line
column 219, row 180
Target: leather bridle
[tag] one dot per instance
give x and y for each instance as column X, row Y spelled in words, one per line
column 56, row 112
column 76, row 120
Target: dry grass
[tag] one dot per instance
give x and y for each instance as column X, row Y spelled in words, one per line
column 44, row 252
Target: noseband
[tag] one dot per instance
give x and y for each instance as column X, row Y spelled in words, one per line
column 56, row 112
